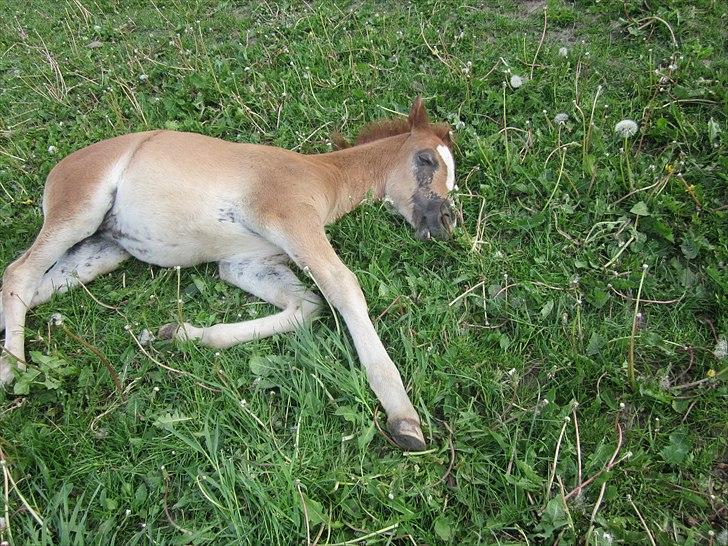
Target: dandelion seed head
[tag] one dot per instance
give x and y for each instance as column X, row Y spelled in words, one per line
column 52, row 149
column 561, row 118
column 721, row 349
column 626, row 128
column 56, row 319
column 143, row 77
column 516, row 81
column 563, row 52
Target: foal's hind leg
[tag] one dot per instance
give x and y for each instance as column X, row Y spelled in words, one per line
column 271, row 280
column 23, row 277
column 83, row 262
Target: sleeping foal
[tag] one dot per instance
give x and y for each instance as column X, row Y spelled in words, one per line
column 181, row 199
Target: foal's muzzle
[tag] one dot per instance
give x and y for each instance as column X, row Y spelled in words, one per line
column 434, row 220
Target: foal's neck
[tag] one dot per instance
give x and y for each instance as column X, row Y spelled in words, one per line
column 357, row 172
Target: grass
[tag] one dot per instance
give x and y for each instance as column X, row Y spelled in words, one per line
column 568, row 394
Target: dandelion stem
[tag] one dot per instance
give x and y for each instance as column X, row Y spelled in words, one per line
column 630, row 355
column 558, row 179
column 629, row 169
column 540, row 43
column 505, row 129
column 587, row 136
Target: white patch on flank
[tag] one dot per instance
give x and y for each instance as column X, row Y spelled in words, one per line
column 447, row 158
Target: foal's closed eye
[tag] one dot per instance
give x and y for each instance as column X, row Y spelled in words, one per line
column 425, row 157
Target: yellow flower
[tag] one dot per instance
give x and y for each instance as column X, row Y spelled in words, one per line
column 669, row 168
column 711, row 373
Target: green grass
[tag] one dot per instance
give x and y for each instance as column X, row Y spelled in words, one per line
column 550, row 252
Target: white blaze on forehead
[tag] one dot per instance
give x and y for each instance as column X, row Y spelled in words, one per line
column 449, row 162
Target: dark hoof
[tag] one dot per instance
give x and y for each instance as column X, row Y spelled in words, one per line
column 167, row 331
column 407, row 434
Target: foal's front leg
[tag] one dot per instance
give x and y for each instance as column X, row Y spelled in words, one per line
column 312, row 251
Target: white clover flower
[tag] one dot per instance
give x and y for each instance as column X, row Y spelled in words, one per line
column 52, row 149
column 561, row 118
column 516, row 81
column 563, row 52
column 626, row 128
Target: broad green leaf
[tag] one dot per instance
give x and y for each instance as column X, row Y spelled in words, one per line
column 596, row 342
column 348, row 413
column 168, row 420
column 677, row 450
column 263, row 366
column 554, row 517
column 640, row 209
column 443, row 527
column 546, row 309
column 366, row 438
column 314, row 511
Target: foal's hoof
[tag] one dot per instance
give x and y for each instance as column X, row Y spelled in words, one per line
column 168, row 331
column 183, row 332
column 407, row 434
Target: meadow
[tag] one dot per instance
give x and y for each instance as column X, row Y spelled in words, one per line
column 566, row 350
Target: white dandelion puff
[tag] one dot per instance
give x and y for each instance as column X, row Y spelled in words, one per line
column 516, row 81
column 626, row 128
column 721, row 349
column 56, row 319
column 143, row 77
column 563, row 52
column 561, row 118
column 52, row 149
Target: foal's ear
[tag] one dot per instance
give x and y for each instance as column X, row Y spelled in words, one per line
column 418, row 114
column 444, row 133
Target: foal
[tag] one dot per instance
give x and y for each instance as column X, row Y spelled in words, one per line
column 181, row 199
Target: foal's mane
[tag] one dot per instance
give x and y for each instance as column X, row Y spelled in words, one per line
column 384, row 128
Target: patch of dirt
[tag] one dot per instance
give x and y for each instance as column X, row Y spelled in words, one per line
column 563, row 36
column 531, row 6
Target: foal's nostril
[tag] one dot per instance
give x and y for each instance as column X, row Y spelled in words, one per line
column 446, row 220
column 446, row 215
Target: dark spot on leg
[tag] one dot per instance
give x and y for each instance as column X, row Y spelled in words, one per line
column 227, row 215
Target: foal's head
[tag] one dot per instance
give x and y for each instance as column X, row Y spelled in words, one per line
column 423, row 176
column 422, row 171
